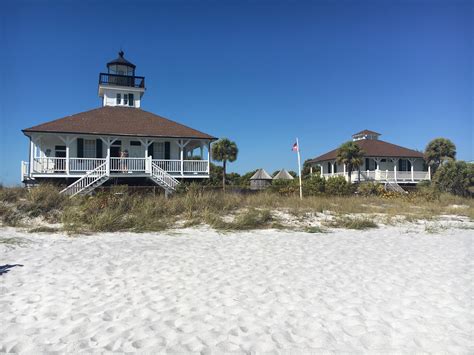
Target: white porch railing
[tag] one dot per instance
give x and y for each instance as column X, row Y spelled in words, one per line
column 76, row 166
column 127, row 164
column 25, row 170
column 84, row 164
column 49, row 165
column 171, row 166
column 384, row 175
column 195, row 166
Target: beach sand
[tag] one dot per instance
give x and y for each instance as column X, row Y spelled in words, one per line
column 391, row 289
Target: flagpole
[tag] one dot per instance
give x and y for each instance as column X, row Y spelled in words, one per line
column 299, row 168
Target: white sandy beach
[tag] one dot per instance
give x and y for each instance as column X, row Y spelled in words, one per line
column 392, row 289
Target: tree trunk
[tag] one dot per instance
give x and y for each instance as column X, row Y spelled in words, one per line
column 223, row 175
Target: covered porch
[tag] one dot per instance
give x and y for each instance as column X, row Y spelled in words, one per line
column 69, row 155
column 383, row 169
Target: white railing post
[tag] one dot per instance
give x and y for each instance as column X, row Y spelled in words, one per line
column 429, row 172
column 412, row 173
column 386, row 175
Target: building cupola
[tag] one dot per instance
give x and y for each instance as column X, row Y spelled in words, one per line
column 365, row 134
column 121, row 66
column 120, row 86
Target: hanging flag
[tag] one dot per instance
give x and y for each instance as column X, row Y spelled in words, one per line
column 295, row 147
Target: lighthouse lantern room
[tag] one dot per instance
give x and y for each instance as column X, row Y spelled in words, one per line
column 120, row 86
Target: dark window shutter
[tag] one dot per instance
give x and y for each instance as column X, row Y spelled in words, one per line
column 167, row 150
column 98, row 148
column 367, row 166
column 151, row 150
column 80, row 148
column 400, row 165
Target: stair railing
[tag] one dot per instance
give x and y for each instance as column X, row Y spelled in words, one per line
column 87, row 180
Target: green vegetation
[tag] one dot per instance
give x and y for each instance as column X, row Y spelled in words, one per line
column 224, row 150
column 351, row 223
column 456, row 177
column 351, row 155
column 120, row 210
column 438, row 151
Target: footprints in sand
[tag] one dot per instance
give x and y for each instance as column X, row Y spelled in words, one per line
column 247, row 292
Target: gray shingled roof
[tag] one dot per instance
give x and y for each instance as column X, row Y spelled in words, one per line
column 283, row 175
column 261, row 174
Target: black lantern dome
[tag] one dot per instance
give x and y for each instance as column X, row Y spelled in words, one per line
column 121, row 66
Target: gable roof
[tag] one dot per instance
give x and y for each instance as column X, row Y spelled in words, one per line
column 119, row 121
column 261, row 174
column 374, row 148
column 283, row 175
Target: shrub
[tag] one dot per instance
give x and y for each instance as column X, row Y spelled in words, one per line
column 370, row 189
column 43, row 200
column 314, row 185
column 285, row 187
column 337, row 185
column 456, row 177
column 12, row 194
column 351, row 223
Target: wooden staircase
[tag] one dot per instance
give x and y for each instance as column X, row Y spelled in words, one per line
column 163, row 179
column 393, row 186
column 88, row 182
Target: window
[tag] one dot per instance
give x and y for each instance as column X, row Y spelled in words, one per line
column 135, row 143
column 119, row 99
column 125, row 99
column 159, row 150
column 404, row 165
column 89, row 148
column 131, row 102
column 60, row 151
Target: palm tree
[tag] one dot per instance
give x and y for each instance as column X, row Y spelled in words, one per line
column 224, row 150
column 438, row 151
column 351, row 155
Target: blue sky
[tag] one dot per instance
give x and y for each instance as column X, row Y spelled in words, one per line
column 258, row 72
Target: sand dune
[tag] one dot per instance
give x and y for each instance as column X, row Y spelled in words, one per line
column 386, row 290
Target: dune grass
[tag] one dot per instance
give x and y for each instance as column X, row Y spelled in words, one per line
column 118, row 210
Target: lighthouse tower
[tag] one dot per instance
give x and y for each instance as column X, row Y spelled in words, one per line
column 119, row 86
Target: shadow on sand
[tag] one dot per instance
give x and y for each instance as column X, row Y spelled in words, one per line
column 5, row 268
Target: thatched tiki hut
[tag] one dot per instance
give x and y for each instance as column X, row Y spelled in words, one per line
column 260, row 180
column 283, row 175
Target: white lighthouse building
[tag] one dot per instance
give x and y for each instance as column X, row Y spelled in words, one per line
column 116, row 142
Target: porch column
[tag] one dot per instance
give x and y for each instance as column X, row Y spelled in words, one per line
column 181, row 156
column 344, row 169
column 108, row 142
column 412, row 162
column 322, row 170
column 332, row 168
column 208, row 158
column 67, row 155
column 201, row 150
column 395, row 161
column 429, row 172
column 32, row 157
column 377, row 162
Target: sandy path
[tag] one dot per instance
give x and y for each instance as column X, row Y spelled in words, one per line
column 197, row 291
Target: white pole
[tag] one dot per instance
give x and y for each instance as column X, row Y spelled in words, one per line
column 299, row 168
